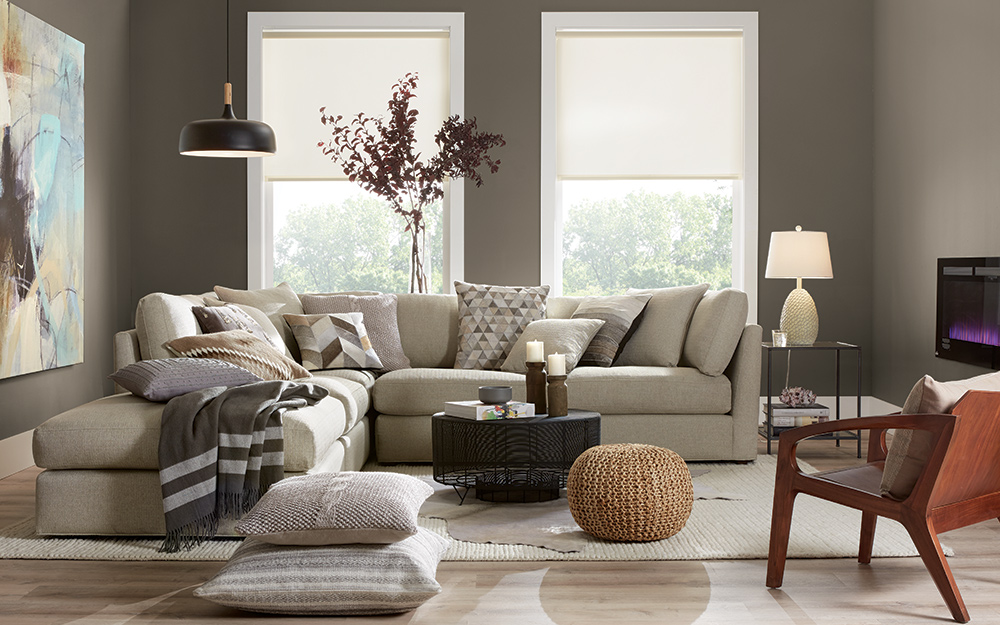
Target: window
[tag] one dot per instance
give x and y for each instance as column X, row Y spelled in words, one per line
column 309, row 225
column 649, row 151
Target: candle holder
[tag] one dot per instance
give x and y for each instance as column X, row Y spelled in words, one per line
column 558, row 400
column 534, row 384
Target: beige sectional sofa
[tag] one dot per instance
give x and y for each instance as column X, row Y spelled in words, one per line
column 100, row 459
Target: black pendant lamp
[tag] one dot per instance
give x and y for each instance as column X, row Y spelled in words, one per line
column 227, row 137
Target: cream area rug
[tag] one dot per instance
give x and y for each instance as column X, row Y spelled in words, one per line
column 730, row 520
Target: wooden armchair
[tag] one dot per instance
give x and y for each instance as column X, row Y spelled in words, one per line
column 959, row 485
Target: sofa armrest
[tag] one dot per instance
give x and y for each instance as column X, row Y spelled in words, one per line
column 744, row 377
column 126, row 345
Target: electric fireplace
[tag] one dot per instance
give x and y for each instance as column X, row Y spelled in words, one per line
column 968, row 310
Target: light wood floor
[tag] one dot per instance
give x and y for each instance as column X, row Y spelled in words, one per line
column 891, row 590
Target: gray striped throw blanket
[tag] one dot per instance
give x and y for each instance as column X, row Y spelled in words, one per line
column 220, row 450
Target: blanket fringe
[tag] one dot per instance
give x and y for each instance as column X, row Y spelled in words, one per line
column 227, row 506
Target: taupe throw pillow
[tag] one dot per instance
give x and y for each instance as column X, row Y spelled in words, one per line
column 228, row 317
column 618, row 312
column 659, row 337
column 338, row 508
column 273, row 302
column 329, row 579
column 166, row 378
column 910, row 449
column 491, row 319
column 563, row 336
column 273, row 335
column 715, row 330
column 243, row 350
column 380, row 319
column 333, row 341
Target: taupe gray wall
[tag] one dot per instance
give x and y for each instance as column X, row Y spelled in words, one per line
column 937, row 158
column 189, row 225
column 103, row 26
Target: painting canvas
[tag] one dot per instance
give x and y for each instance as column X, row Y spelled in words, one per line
column 41, row 196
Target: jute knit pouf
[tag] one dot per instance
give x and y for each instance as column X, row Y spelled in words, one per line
column 630, row 492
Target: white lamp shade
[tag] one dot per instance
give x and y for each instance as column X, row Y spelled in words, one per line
column 798, row 254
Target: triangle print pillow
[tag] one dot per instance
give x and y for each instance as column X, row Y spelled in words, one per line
column 333, row 341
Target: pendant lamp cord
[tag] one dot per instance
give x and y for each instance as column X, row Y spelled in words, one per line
column 227, row 40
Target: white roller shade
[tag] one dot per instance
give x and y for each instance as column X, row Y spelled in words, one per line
column 348, row 73
column 663, row 104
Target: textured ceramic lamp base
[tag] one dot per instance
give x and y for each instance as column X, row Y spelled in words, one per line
column 799, row 320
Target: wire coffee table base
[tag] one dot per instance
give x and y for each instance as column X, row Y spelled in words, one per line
column 511, row 460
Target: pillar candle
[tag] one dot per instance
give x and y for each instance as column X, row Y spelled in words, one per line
column 557, row 364
column 536, row 351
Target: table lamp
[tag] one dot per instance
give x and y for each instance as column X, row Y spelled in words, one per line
column 799, row 254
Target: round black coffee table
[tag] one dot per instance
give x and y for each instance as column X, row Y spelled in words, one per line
column 511, row 460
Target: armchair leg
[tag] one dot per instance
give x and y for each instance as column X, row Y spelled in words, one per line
column 781, row 525
column 868, row 520
column 926, row 541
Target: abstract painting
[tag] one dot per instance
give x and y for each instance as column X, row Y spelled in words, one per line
column 41, row 196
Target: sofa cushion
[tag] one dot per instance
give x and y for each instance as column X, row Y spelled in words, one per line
column 242, row 349
column 333, row 341
column 338, row 508
column 329, row 579
column 273, row 302
column 161, row 317
column 354, row 396
column 428, row 328
column 910, row 449
column 619, row 313
column 561, row 336
column 715, row 330
column 164, row 379
column 648, row 390
column 659, row 337
column 123, row 432
column 380, row 318
column 490, row 320
column 273, row 335
column 424, row 391
column 360, row 376
column 563, row 306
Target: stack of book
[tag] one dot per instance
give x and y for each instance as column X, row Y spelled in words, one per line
column 783, row 416
column 487, row 412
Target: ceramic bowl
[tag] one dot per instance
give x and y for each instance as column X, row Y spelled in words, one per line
column 495, row 394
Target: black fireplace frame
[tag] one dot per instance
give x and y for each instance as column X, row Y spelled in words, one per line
column 983, row 271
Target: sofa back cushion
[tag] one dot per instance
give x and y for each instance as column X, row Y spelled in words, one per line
column 562, row 307
column 658, row 339
column 160, row 317
column 910, row 449
column 715, row 330
column 273, row 302
column 428, row 328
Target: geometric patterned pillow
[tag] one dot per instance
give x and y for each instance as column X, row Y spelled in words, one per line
column 334, row 341
column 490, row 320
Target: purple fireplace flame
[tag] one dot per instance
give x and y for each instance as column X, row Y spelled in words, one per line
column 975, row 334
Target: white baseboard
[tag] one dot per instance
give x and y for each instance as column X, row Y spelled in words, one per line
column 15, row 454
column 870, row 406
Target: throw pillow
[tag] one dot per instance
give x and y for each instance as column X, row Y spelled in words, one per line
column 659, row 337
column 563, row 336
column 338, row 508
column 333, row 341
column 272, row 333
column 618, row 313
column 164, row 379
column 243, row 350
column 380, row 319
column 161, row 317
column 228, row 317
column 910, row 449
column 490, row 320
column 715, row 331
column 333, row 580
column 273, row 302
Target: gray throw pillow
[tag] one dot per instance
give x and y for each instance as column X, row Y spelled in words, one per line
column 491, row 319
column 618, row 312
column 333, row 341
column 659, row 338
column 164, row 379
column 344, row 580
column 560, row 336
column 273, row 302
column 338, row 508
column 380, row 320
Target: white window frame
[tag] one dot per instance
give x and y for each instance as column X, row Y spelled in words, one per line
column 260, row 235
column 745, row 229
